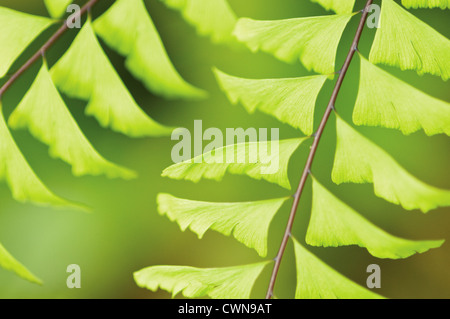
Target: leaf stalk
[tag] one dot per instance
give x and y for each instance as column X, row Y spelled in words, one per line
column 312, row 153
column 41, row 52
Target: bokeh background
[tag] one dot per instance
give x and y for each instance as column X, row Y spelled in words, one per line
column 125, row 232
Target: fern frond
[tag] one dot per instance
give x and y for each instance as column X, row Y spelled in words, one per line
column 334, row 224
column 443, row 4
column 264, row 166
column 217, row 283
column 85, row 72
column 44, row 113
column 127, row 28
column 358, row 160
column 18, row 30
column 248, row 222
column 291, row 101
column 213, row 18
column 338, row 6
column 8, row 262
column 404, row 41
column 384, row 100
column 57, row 8
column 23, row 182
column 312, row 40
column 317, row 280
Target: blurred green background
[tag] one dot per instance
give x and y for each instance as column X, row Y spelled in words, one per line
column 125, row 232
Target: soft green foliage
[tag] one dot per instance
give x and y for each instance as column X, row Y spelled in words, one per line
column 18, row 30
column 8, row 262
column 338, row 6
column 213, row 18
column 384, row 100
column 291, row 100
column 85, row 72
column 359, row 160
column 213, row 164
column 44, row 113
column 22, row 181
column 217, row 283
column 404, row 41
column 249, row 222
column 316, row 280
column 312, row 40
column 57, row 8
column 127, row 28
column 443, row 4
column 334, row 224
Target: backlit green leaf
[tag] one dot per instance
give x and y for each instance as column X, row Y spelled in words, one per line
column 384, row 100
column 213, row 18
column 338, row 6
column 443, row 4
column 85, row 72
column 249, row 222
column 8, row 262
column 217, row 283
column 291, row 100
column 405, row 41
column 127, row 28
column 317, row 280
column 358, row 160
column 23, row 182
column 18, row 30
column 258, row 160
column 312, row 40
column 57, row 8
column 334, row 224
column 44, row 113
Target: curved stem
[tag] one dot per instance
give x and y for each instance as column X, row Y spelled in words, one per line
column 312, row 153
column 46, row 46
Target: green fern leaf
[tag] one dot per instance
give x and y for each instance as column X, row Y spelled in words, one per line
column 443, row 4
column 127, row 28
column 291, row 100
column 8, row 262
column 22, row 181
column 57, row 8
column 249, row 222
column 44, row 113
column 334, row 224
column 217, row 283
column 358, row 160
column 85, row 72
column 213, row 165
column 404, row 41
column 384, row 100
column 312, row 40
column 18, row 30
column 338, row 6
column 317, row 280
column 213, row 18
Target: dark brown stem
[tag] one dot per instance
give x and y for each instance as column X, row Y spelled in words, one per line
column 46, row 46
column 312, row 153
